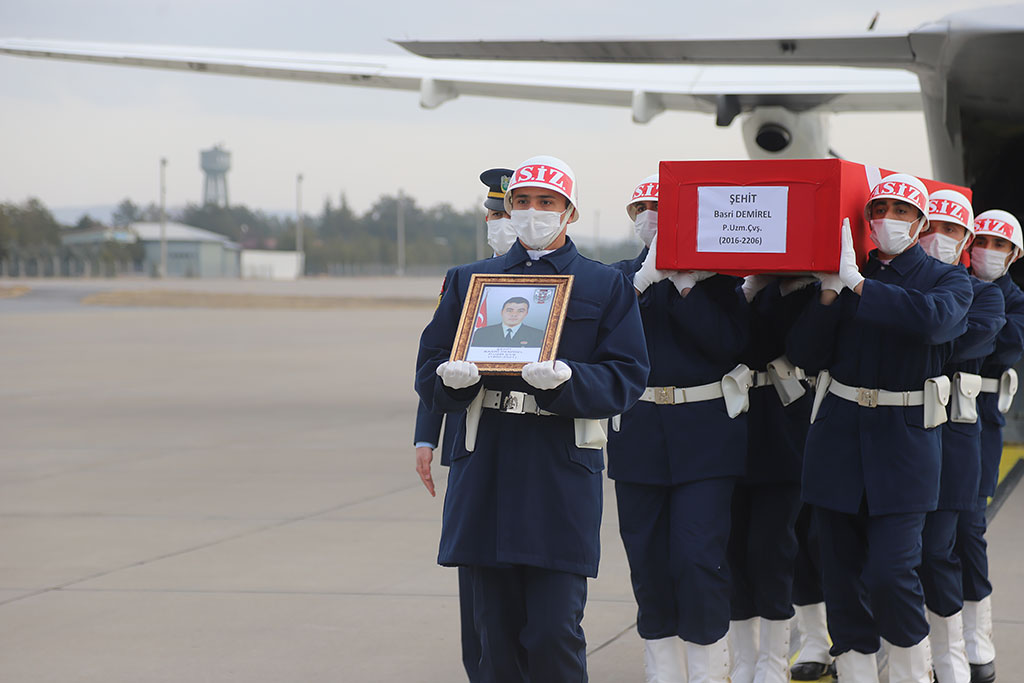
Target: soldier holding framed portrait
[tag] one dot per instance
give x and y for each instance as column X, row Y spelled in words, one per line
column 524, row 499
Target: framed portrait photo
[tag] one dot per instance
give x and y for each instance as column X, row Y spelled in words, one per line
column 511, row 320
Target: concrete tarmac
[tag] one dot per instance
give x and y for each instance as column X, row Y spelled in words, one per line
column 229, row 495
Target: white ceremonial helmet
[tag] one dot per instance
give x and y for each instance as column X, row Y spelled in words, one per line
column 905, row 188
column 1001, row 224
column 546, row 172
column 646, row 191
column 951, row 206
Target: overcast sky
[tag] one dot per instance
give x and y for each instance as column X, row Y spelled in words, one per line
column 78, row 134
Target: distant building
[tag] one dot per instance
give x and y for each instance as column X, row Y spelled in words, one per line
column 262, row 264
column 191, row 251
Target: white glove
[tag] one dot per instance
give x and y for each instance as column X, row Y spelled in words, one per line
column 848, row 271
column 829, row 281
column 686, row 279
column 648, row 273
column 546, row 375
column 794, row 284
column 752, row 284
column 458, row 374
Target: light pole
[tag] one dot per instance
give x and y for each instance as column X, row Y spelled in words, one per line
column 163, row 217
column 481, row 238
column 298, row 225
column 401, row 234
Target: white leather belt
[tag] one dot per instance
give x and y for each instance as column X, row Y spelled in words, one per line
column 675, row 395
column 990, row 385
column 872, row 398
column 517, row 402
column 761, row 378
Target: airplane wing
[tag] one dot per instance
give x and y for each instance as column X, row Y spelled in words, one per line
column 892, row 51
column 647, row 89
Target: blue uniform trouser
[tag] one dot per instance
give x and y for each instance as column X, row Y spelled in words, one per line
column 676, row 541
column 470, row 638
column 762, row 550
column 807, row 573
column 871, row 583
column 529, row 619
column 940, row 568
column 972, row 549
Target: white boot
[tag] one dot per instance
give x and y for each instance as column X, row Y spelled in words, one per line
column 743, row 649
column 910, row 664
column 810, row 619
column 773, row 653
column 857, row 667
column 977, row 617
column 708, row 663
column 949, row 653
column 664, row 661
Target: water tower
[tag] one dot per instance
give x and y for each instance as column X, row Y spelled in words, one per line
column 215, row 163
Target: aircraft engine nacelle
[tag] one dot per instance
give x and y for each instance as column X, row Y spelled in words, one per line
column 778, row 133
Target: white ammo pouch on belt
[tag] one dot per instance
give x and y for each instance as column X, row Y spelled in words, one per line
column 733, row 388
column 963, row 403
column 1005, row 386
column 934, row 397
column 589, row 433
column 786, row 378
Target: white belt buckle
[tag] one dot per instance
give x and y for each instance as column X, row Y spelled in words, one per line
column 664, row 396
column 514, row 402
column 867, row 397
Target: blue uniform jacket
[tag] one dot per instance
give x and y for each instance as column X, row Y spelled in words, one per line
column 527, row 494
column 428, row 428
column 1009, row 346
column 428, row 424
column 776, row 433
column 894, row 336
column 961, row 442
column 691, row 340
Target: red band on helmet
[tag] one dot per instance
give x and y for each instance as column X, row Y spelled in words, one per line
column 646, row 190
column 995, row 226
column 545, row 175
column 898, row 189
column 950, row 209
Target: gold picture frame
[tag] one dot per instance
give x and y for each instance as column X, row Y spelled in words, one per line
column 499, row 328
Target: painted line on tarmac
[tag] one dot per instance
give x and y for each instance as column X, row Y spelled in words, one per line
column 1003, row 491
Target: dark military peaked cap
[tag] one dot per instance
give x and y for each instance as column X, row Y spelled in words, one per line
column 496, row 180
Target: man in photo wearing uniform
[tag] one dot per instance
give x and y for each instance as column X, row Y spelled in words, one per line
column 523, row 505
column 676, row 456
column 997, row 244
column 950, row 229
column 427, row 436
column 512, row 331
column 872, row 459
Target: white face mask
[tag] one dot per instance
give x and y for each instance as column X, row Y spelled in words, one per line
column 989, row 264
column 646, row 226
column 941, row 247
column 500, row 235
column 536, row 229
column 892, row 236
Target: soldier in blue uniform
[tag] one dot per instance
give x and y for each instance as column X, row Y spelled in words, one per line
column 997, row 244
column 427, row 435
column 763, row 544
column 872, row 459
column 950, row 228
column 523, row 505
column 676, row 456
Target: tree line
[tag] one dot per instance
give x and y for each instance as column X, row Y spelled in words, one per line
column 334, row 239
